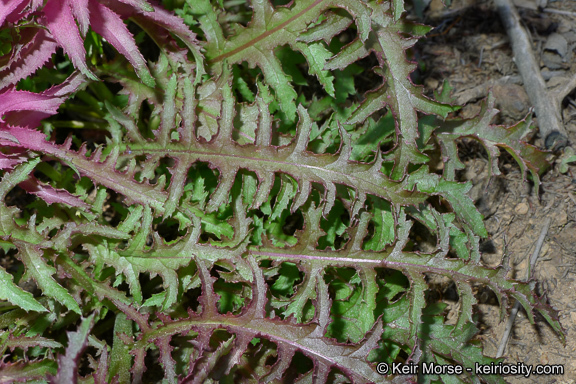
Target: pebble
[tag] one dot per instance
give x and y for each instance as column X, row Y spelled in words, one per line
column 521, row 209
column 562, row 218
column 512, row 100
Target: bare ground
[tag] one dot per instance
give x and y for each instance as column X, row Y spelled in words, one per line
column 470, row 49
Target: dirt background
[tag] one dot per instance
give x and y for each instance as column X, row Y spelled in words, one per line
column 470, row 49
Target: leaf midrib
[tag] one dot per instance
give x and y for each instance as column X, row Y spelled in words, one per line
column 264, row 35
column 417, row 198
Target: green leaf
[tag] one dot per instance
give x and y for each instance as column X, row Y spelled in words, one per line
column 120, row 359
column 354, row 305
column 454, row 193
column 41, row 272
column 250, row 218
column 16, row 295
column 272, row 28
column 317, row 56
column 384, row 227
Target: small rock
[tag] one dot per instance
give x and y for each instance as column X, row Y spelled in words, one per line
column 557, row 43
column 556, row 54
column 521, row 209
column 512, row 100
column 431, row 83
column 570, row 36
column 436, row 8
column 562, row 218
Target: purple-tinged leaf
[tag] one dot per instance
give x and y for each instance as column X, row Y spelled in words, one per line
column 159, row 17
column 417, row 303
column 9, row 180
column 51, row 195
column 285, row 354
column 26, row 372
column 102, row 370
column 26, row 342
column 168, row 111
column 493, row 137
column 7, row 136
column 307, row 338
column 23, row 138
column 73, row 83
column 209, row 298
column 153, row 167
column 212, row 362
column 111, row 27
column 82, row 14
column 126, row 121
column 139, row 366
column 241, row 343
column 32, row 56
column 24, row 9
column 8, row 7
column 8, row 162
column 61, row 23
column 179, row 173
column 99, row 172
column 333, row 25
column 25, row 118
column 68, row 364
column 142, row 4
column 42, row 105
column 12, row 100
column 150, row 21
column 174, row 24
column 132, row 313
column 454, row 193
column 168, row 363
column 201, row 344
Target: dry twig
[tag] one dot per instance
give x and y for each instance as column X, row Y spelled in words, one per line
column 517, row 305
column 560, row 12
column 547, row 107
column 481, row 91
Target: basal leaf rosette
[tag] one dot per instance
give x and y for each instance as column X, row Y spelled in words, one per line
column 249, row 214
